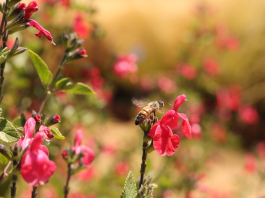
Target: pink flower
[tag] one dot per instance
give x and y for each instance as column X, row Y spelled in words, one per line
column 81, row 27
column 249, row 115
column 166, row 85
column 250, row 165
column 125, row 64
column 87, row 174
column 219, row 133
column 187, row 71
column 164, row 141
column 211, row 67
column 146, row 83
column 36, row 168
column 47, row 131
column 88, row 153
column 28, row 133
column 196, row 130
column 261, row 149
column 42, row 31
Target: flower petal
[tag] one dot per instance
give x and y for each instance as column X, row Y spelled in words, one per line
column 42, row 31
column 78, row 138
column 179, row 101
column 152, row 131
column 170, row 119
column 165, row 143
column 30, row 9
column 89, row 155
column 185, row 125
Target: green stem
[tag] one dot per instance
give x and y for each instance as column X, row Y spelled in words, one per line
column 51, row 86
column 4, row 37
column 34, row 193
column 66, row 188
column 14, row 181
column 143, row 165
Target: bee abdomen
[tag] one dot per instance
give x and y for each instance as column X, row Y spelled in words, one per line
column 142, row 115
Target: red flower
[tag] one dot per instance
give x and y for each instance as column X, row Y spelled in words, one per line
column 211, row 67
column 30, row 9
column 88, row 153
column 42, row 31
column 165, row 142
column 28, row 133
column 249, row 115
column 122, row 168
column 250, row 165
column 81, row 27
column 187, row 71
column 166, row 85
column 36, row 168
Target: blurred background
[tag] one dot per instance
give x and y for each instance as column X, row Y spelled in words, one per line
column 211, row 51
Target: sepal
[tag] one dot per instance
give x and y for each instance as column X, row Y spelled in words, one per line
column 11, row 3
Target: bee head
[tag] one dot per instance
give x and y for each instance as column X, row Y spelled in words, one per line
column 161, row 104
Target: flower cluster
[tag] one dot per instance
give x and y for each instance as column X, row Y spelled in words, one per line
column 164, row 141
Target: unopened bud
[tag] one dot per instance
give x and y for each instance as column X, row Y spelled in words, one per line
column 37, row 118
column 16, row 150
column 47, row 131
column 146, row 126
column 30, row 9
column 16, row 22
column 65, row 155
column 15, row 11
column 5, row 152
column 19, row 50
column 65, row 40
column 12, row 3
column 53, row 120
column 77, row 54
column 78, row 157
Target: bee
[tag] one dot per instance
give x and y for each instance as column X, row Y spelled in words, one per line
column 149, row 110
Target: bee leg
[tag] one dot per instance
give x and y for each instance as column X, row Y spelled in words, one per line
column 155, row 118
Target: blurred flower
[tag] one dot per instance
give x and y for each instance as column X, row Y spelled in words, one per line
column 219, row 134
column 87, row 174
column 166, row 85
column 260, row 148
column 164, row 141
column 88, row 153
column 36, row 168
column 211, row 67
column 224, row 39
column 146, row 83
column 81, row 27
column 28, row 133
column 122, row 168
column 125, row 64
column 250, row 163
column 169, row 194
column 109, row 149
column 187, row 71
column 229, row 97
column 248, row 115
column 196, row 130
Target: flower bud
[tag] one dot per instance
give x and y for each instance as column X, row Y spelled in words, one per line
column 16, row 10
column 17, row 22
column 65, row 40
column 12, row 3
column 19, row 50
column 5, row 152
column 65, row 155
column 150, row 148
column 47, row 131
column 78, row 157
column 53, row 120
column 37, row 118
column 146, row 126
column 30, row 9
column 16, row 150
column 77, row 54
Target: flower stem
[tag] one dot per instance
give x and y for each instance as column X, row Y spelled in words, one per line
column 34, row 193
column 51, row 86
column 14, row 181
column 4, row 36
column 66, row 188
column 143, row 165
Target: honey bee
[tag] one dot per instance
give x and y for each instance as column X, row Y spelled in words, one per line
column 149, row 110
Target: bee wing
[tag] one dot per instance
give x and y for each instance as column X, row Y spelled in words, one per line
column 139, row 103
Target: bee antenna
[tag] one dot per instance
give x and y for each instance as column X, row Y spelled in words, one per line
column 169, row 104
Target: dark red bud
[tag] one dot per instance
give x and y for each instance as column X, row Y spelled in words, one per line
column 37, row 118
column 57, row 118
column 65, row 154
column 83, row 52
column 21, row 6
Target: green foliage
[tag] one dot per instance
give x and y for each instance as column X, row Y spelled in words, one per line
column 130, row 187
column 57, row 134
column 8, row 133
column 44, row 73
column 3, row 55
column 78, row 88
column 3, row 160
column 62, row 83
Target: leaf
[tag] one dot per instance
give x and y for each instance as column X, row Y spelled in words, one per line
column 78, row 88
column 17, row 122
column 130, row 187
column 57, row 134
column 44, row 73
column 62, row 82
column 3, row 160
column 8, row 133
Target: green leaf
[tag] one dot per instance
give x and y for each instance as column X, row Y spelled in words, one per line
column 62, row 82
column 17, row 122
column 44, row 73
column 8, row 133
column 0, row 111
column 57, row 134
column 3, row 160
column 130, row 187
column 78, row 88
